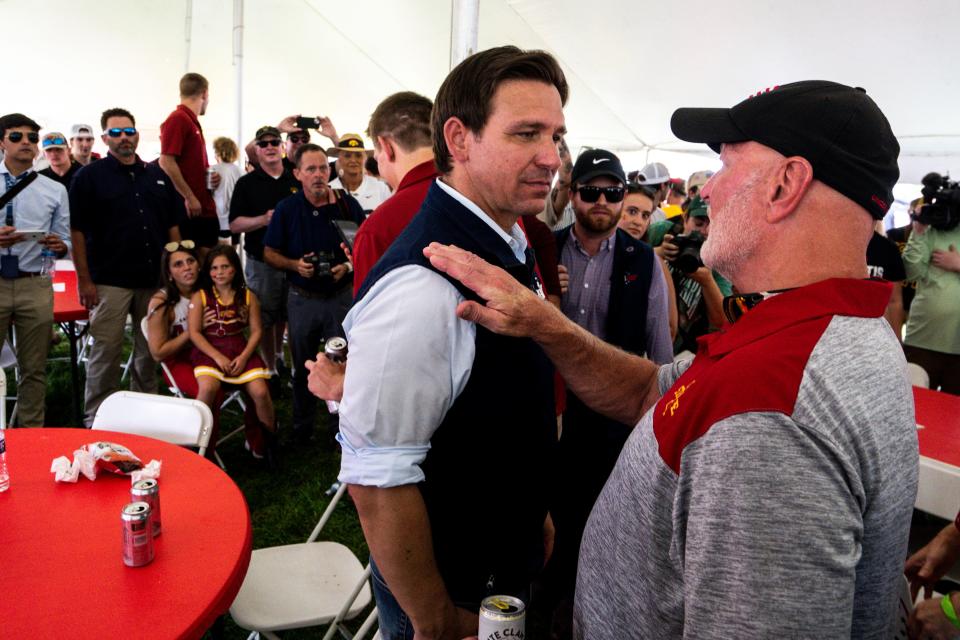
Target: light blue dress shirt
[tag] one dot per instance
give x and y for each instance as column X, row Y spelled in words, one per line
column 42, row 206
column 410, row 358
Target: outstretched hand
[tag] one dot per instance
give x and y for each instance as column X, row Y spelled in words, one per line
column 511, row 309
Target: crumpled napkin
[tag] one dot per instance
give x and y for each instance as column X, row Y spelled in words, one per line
column 84, row 462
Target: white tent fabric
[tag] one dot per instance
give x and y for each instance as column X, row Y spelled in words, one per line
column 630, row 63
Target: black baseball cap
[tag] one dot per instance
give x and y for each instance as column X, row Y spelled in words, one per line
column 594, row 163
column 840, row 130
column 267, row 131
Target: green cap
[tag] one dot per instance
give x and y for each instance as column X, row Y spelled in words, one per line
column 698, row 208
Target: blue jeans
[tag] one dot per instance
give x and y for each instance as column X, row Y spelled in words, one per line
column 394, row 623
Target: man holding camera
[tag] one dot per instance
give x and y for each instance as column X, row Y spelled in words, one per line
column 303, row 239
column 617, row 292
column 699, row 290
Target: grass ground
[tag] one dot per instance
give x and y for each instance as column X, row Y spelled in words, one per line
column 284, row 506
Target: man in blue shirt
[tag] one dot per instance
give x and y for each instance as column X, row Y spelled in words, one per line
column 304, row 241
column 124, row 211
column 24, row 295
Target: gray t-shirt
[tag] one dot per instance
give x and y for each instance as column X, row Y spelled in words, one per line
column 769, row 493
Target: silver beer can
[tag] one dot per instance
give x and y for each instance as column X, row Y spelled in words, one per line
column 502, row 618
column 336, row 350
column 210, row 172
column 148, row 491
column 137, row 534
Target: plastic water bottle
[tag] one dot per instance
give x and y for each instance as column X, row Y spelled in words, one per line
column 48, row 263
column 4, row 474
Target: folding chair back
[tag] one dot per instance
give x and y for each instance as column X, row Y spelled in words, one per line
column 176, row 420
column 918, row 375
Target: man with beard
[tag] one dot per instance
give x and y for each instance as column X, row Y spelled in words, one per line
column 303, row 240
column 768, row 486
column 617, row 292
column 183, row 157
column 123, row 212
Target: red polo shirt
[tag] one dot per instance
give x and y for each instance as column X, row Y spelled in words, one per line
column 181, row 136
column 387, row 221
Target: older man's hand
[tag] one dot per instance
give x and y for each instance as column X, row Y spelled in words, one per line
column 511, row 309
column 928, row 622
column 326, row 378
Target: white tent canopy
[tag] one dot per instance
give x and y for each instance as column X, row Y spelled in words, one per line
column 629, row 63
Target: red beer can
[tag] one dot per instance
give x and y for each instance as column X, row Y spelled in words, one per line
column 148, row 491
column 137, row 535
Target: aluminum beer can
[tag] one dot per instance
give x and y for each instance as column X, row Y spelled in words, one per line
column 137, row 536
column 502, row 618
column 336, row 350
column 210, row 172
column 148, row 491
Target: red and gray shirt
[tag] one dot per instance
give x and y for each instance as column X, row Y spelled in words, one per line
column 769, row 492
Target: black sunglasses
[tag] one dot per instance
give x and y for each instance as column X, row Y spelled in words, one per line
column 592, row 194
column 294, row 138
column 263, row 144
column 17, row 136
column 116, row 131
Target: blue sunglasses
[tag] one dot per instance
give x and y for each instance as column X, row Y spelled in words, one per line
column 116, row 131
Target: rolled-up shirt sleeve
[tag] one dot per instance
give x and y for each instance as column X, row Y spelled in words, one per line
column 410, row 357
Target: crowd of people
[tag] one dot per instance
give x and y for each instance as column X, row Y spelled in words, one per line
column 631, row 359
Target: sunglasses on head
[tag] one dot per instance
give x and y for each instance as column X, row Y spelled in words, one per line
column 170, row 247
column 50, row 141
column 295, row 138
column 17, row 136
column 592, row 194
column 116, row 131
column 263, row 144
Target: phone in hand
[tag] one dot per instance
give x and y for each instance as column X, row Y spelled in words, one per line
column 32, row 234
column 308, row 123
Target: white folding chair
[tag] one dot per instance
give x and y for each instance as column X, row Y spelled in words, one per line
column 175, row 420
column 918, row 375
column 304, row 585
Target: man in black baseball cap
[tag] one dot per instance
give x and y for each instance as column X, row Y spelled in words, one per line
column 783, row 460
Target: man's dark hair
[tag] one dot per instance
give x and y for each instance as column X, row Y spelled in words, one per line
column 404, row 118
column 636, row 187
column 372, row 166
column 14, row 120
column 192, row 84
column 309, row 147
column 467, row 91
column 115, row 112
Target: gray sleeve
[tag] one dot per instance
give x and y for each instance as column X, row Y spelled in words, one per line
column 668, row 373
column 768, row 532
column 659, row 344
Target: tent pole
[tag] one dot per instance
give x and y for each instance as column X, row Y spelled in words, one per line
column 238, row 73
column 464, row 23
column 188, row 34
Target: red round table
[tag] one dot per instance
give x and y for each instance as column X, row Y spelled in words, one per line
column 60, row 560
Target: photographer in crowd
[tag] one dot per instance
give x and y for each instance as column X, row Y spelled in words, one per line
column 699, row 290
column 303, row 240
column 932, row 338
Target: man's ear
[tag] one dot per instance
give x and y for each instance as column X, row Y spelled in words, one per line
column 791, row 182
column 458, row 137
column 389, row 150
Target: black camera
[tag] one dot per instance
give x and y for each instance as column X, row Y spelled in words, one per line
column 321, row 262
column 941, row 208
column 688, row 254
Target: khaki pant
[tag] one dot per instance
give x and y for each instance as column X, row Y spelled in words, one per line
column 28, row 302
column 107, row 322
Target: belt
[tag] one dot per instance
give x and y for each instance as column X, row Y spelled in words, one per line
column 316, row 295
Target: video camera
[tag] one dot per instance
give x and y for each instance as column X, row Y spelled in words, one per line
column 941, row 197
column 321, row 262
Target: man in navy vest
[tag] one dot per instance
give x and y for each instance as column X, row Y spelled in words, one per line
column 447, row 429
column 618, row 293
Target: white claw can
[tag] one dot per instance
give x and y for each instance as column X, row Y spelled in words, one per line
column 502, row 618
